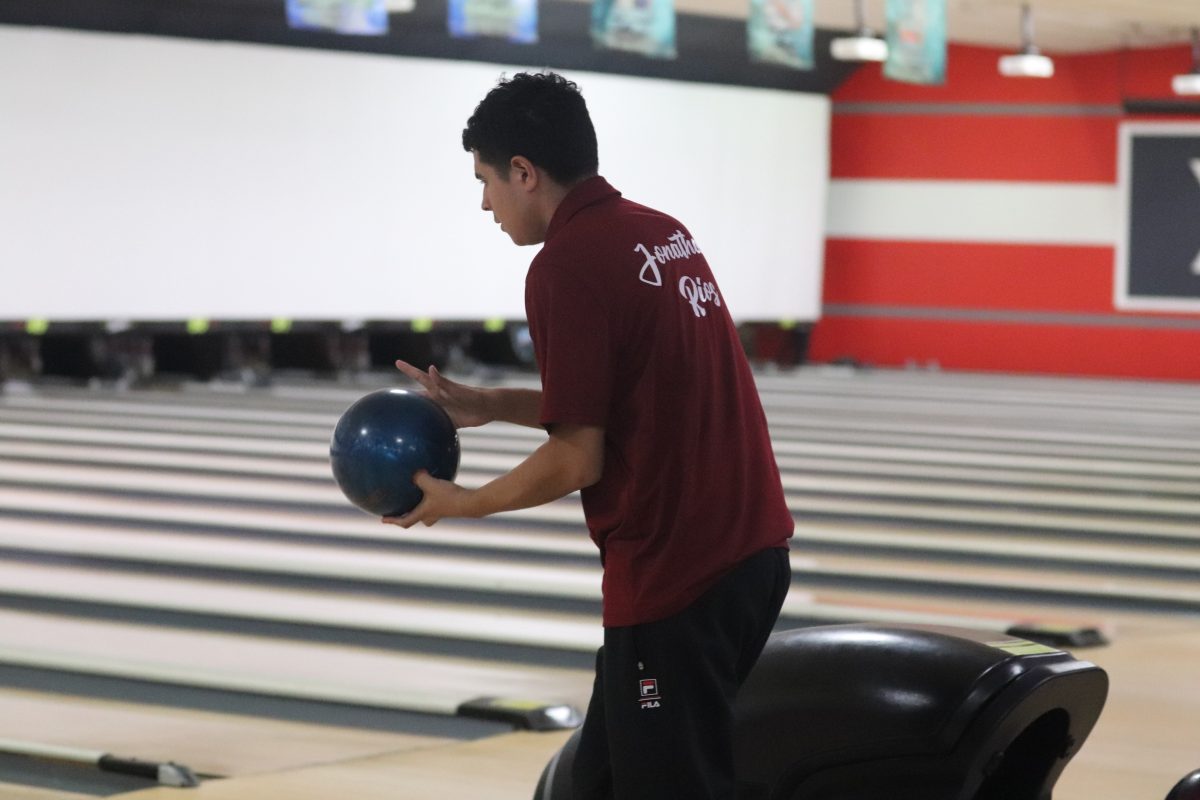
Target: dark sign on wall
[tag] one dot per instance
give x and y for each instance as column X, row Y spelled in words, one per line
column 1158, row 250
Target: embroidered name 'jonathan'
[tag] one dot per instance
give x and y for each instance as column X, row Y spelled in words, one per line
column 677, row 246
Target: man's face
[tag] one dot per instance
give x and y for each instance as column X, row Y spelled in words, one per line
column 505, row 195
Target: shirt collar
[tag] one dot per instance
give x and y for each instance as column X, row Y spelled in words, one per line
column 582, row 195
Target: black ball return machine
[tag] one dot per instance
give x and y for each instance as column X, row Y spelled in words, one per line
column 901, row 712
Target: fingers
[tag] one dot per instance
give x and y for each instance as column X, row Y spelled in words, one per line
column 436, row 385
column 423, row 480
column 444, row 384
column 418, row 375
column 423, row 511
column 418, row 514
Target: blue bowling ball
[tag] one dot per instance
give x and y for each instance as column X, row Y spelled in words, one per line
column 382, row 440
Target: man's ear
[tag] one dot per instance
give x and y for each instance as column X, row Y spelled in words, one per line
column 522, row 170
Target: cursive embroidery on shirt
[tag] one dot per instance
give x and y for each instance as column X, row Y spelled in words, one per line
column 678, row 246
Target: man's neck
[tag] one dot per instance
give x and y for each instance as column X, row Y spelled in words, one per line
column 551, row 198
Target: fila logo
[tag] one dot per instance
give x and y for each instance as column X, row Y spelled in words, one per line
column 648, row 693
column 677, row 246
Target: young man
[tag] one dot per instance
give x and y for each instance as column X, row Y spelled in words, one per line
column 652, row 412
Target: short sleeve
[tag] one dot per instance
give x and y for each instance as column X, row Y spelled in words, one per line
column 570, row 326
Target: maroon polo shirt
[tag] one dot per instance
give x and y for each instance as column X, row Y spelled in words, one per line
column 632, row 333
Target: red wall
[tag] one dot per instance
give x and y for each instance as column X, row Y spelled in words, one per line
column 1008, row 307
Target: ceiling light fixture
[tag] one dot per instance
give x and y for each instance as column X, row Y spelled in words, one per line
column 863, row 46
column 1029, row 63
column 1189, row 84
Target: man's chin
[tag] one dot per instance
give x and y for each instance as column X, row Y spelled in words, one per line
column 521, row 241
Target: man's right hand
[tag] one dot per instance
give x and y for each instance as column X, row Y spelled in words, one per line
column 466, row 405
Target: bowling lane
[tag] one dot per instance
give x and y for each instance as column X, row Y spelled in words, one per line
column 1108, row 403
column 341, row 611
column 173, row 516
column 498, row 437
column 12, row 791
column 349, row 563
column 1155, row 444
column 1014, row 519
column 209, row 743
column 486, row 438
column 1127, row 397
column 142, row 440
column 572, row 540
column 312, row 465
column 993, row 613
column 125, row 451
column 153, row 549
column 1064, row 417
column 321, row 494
column 498, row 768
column 171, row 547
column 306, row 671
column 884, row 458
column 295, row 484
column 1172, row 557
column 1065, row 474
column 1055, row 579
column 971, row 504
column 1040, row 584
column 359, row 611
column 1026, row 497
column 979, row 440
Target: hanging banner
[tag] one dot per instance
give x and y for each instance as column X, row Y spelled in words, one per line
column 781, row 32
column 358, row 17
column 514, row 20
column 639, row 26
column 916, row 37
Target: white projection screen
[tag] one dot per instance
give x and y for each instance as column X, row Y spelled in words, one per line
column 148, row 178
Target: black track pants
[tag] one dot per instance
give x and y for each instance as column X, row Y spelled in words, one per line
column 660, row 719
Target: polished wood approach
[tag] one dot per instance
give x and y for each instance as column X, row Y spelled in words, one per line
column 498, row 768
column 10, row 791
column 1149, row 734
column 218, row 744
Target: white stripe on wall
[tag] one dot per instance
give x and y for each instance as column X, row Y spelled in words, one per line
column 974, row 211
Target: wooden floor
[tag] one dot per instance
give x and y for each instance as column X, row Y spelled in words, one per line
column 180, row 580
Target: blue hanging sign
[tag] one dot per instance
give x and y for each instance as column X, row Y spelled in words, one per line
column 781, row 32
column 514, row 20
column 357, row 17
column 639, row 26
column 916, row 37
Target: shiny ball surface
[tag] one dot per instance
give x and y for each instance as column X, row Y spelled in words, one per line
column 382, row 440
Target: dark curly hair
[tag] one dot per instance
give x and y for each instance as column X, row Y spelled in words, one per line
column 541, row 116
